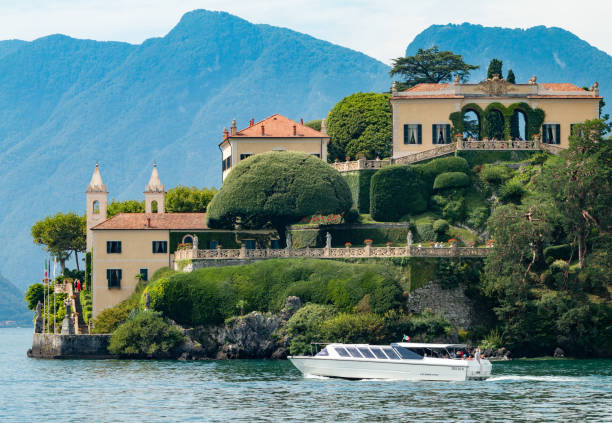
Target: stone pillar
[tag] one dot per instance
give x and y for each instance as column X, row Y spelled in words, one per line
column 67, row 323
column 243, row 250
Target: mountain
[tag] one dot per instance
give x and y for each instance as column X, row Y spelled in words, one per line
column 67, row 103
column 553, row 54
column 12, row 304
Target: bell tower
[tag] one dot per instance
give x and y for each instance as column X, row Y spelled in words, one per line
column 155, row 194
column 97, row 200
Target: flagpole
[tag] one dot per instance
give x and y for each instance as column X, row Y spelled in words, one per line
column 44, row 296
column 54, row 315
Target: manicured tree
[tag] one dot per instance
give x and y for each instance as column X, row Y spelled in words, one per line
column 360, row 124
column 278, row 189
column 511, row 78
column 430, row 66
column 61, row 234
column 188, row 199
column 495, row 68
column 396, row 191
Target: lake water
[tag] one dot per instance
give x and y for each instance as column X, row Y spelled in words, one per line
column 265, row 390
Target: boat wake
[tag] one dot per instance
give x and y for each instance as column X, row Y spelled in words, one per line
column 536, row 378
column 306, row 376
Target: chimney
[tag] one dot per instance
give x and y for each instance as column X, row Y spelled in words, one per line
column 301, row 121
column 323, row 127
column 251, row 122
column 294, row 130
column 148, row 222
column 263, row 130
column 233, row 128
column 225, row 133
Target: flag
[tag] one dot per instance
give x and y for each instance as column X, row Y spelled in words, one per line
column 54, row 266
column 45, row 272
column 406, row 338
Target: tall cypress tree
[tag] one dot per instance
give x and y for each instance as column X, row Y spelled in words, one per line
column 510, row 78
column 495, row 67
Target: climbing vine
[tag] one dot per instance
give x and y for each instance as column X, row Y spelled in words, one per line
column 534, row 118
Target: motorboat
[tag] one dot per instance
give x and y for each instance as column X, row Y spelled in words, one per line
column 397, row 361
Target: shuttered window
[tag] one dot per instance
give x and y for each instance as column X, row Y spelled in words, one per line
column 441, row 133
column 113, row 277
column 160, row 247
column 113, row 247
column 413, row 133
column 551, row 133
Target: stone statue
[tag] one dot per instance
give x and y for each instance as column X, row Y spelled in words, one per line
column 409, row 237
column 533, row 80
column 38, row 326
column 328, row 239
column 147, row 301
column 394, row 87
column 67, row 323
column 195, row 242
column 67, row 306
column 456, row 80
column 288, row 240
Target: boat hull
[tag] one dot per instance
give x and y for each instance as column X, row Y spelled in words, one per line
column 394, row 370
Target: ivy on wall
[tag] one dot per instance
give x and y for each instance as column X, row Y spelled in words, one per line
column 534, row 118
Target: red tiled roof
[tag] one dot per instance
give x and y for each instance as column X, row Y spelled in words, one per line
column 279, row 126
column 157, row 221
column 427, row 87
column 563, row 86
column 416, row 97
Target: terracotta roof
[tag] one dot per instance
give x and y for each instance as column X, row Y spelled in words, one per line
column 157, row 221
column 416, row 97
column 279, row 126
column 563, row 86
column 427, row 87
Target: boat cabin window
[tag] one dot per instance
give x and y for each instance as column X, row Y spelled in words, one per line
column 366, row 352
column 354, row 353
column 391, row 353
column 323, row 353
column 343, row 352
column 407, row 354
column 379, row 353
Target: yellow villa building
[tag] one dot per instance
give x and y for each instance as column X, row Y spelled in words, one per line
column 275, row 133
column 427, row 116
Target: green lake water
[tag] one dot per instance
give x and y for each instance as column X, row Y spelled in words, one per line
column 34, row 390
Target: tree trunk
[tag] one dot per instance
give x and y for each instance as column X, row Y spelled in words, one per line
column 63, row 265
column 281, row 229
column 76, row 258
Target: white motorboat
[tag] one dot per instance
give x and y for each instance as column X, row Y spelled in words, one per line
column 398, row 361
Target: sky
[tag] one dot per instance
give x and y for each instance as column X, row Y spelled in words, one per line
column 378, row 28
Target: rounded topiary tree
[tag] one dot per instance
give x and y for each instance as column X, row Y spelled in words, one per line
column 396, row 191
column 278, row 189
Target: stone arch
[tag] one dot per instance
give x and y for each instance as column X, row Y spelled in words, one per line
column 95, row 207
column 154, row 206
column 187, row 239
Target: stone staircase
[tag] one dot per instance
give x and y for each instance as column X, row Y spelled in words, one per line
column 79, row 324
column 432, row 153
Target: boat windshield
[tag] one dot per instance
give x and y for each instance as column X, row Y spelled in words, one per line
column 354, row 353
column 342, row 351
column 366, row 352
column 391, row 353
column 323, row 353
column 407, row 354
column 379, row 353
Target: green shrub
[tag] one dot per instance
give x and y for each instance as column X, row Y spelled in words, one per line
column 451, row 180
column 443, row 165
column 396, row 191
column 454, row 210
column 557, row 252
column 354, row 328
column 164, row 272
column 352, row 216
column 109, row 319
column 359, row 184
column 425, row 232
column 495, row 175
column 386, row 296
column 512, row 192
column 492, row 341
column 146, row 334
column 426, row 327
column 440, row 226
column 87, row 281
column 303, row 327
column 478, row 217
column 34, row 295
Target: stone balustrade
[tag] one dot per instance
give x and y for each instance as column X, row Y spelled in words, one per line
column 426, row 155
column 499, row 145
column 360, row 164
column 347, row 252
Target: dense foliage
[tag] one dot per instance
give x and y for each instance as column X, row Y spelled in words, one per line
column 430, row 66
column 188, row 199
column 278, row 189
column 62, row 234
column 127, row 206
column 360, row 125
column 451, row 180
column 396, row 191
column 146, row 334
column 495, row 68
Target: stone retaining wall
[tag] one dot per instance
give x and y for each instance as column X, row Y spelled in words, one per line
column 452, row 303
column 49, row 345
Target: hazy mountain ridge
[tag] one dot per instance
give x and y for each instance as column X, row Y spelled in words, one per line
column 552, row 54
column 12, row 304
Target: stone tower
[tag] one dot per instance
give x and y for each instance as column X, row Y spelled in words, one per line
column 97, row 200
column 155, row 193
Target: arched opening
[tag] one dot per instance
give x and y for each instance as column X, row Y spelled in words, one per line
column 495, row 125
column 188, row 239
column 518, row 125
column 471, row 125
column 154, row 206
column 96, row 207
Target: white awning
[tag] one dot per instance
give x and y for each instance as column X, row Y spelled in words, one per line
column 432, row 346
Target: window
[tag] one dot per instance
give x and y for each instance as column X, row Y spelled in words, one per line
column 226, row 163
column 212, row 245
column 405, row 353
column 113, row 247
column 413, row 133
column 160, row 247
column 223, row 165
column 353, row 352
column 187, row 239
column 275, row 244
column 250, row 244
column 379, row 353
column 441, row 133
column 245, row 156
column 366, row 352
column 391, row 353
column 96, row 207
column 343, row 352
column 551, row 133
column 113, row 277
column 323, row 353
column 144, row 274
